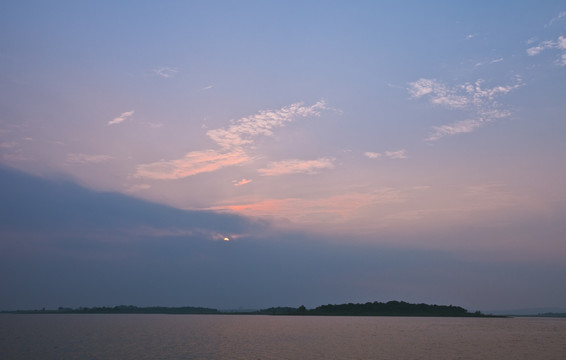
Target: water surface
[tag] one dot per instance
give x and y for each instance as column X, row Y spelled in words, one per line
column 99, row 336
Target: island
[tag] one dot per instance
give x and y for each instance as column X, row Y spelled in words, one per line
column 391, row 308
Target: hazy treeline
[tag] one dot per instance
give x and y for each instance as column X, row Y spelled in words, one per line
column 126, row 309
column 391, row 308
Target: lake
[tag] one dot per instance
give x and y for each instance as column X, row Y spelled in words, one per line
column 100, row 336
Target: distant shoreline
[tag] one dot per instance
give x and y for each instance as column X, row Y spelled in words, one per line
column 391, row 308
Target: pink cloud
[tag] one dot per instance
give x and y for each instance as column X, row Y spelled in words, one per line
column 234, row 142
column 241, row 182
column 334, row 208
column 193, row 163
column 296, row 166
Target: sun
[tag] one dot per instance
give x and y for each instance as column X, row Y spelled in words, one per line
column 226, row 239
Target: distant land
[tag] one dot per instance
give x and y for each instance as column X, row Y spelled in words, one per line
column 562, row 315
column 391, row 308
column 543, row 311
column 121, row 309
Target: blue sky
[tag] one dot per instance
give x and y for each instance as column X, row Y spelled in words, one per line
column 396, row 129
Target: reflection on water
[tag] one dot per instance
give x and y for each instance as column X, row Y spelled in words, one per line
column 97, row 336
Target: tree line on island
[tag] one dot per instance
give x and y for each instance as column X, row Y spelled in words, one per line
column 391, row 308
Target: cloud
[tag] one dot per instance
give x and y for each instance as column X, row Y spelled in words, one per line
column 208, row 87
column 242, row 131
column 234, row 143
column 399, row 154
column 124, row 116
column 480, row 102
column 77, row 210
column 535, row 50
column 471, row 36
column 79, row 158
column 459, row 127
column 241, row 182
column 557, row 18
column 296, row 166
column 558, row 44
column 193, row 163
column 438, row 93
column 165, row 72
column 340, row 208
column 461, row 96
column 372, row 155
column 494, row 61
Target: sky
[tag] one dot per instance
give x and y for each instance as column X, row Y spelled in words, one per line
column 257, row 153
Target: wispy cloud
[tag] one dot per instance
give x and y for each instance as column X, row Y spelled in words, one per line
column 79, row 158
column 558, row 44
column 531, row 41
column 372, row 155
column 471, row 36
column 165, row 72
column 123, row 116
column 234, row 143
column 459, row 127
column 241, row 182
column 337, row 208
column 242, row 131
column 556, row 18
column 438, row 93
column 494, row 61
column 295, row 166
column 207, row 87
column 193, row 163
column 480, row 102
column 398, row 154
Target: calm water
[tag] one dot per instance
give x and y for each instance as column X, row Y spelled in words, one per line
column 98, row 336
